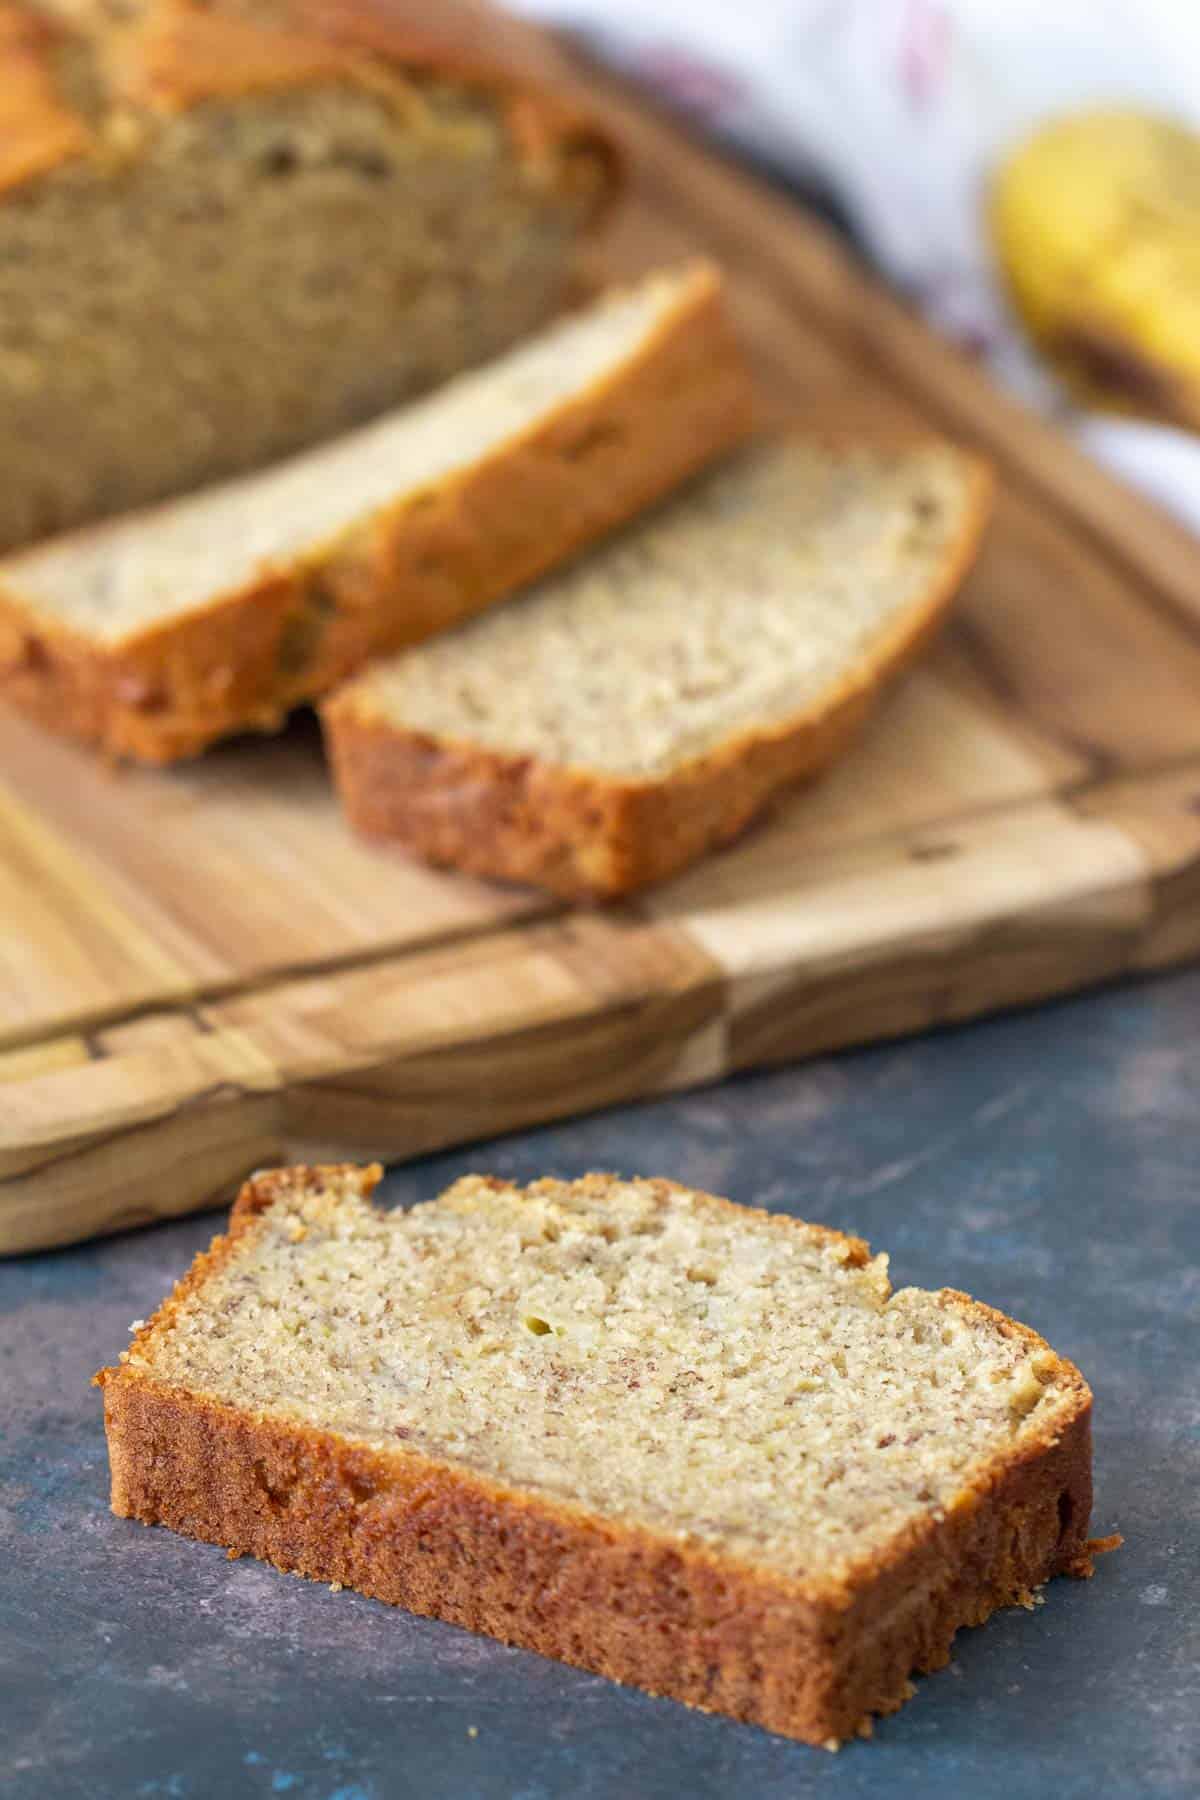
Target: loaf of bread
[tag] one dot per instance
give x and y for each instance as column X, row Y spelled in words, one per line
column 606, row 728
column 231, row 228
column 682, row 1443
column 155, row 633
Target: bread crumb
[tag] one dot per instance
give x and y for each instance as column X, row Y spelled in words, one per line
column 1101, row 1546
column 335, row 1587
column 472, row 1731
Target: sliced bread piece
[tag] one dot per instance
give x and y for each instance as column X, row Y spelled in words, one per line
column 156, row 633
column 682, row 1443
column 625, row 716
column 232, row 228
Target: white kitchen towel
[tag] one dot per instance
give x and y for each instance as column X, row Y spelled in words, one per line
column 902, row 109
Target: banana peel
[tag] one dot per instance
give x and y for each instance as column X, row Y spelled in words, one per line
column 1096, row 225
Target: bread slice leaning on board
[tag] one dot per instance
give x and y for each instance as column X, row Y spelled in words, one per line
column 156, row 633
column 606, row 728
column 682, row 1443
column 232, row 228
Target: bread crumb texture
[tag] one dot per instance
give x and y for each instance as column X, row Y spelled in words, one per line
column 642, row 1351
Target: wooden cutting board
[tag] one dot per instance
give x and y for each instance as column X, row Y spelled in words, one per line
column 202, row 972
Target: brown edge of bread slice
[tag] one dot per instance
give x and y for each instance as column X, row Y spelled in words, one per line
column 811, row 1659
column 586, row 834
column 429, row 561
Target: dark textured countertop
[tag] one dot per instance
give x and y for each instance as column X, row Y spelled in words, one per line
column 1049, row 1163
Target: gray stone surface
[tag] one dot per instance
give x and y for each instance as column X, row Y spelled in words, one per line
column 1049, row 1163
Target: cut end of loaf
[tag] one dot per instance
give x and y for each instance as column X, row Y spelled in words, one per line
column 604, row 729
column 231, row 229
column 749, row 1474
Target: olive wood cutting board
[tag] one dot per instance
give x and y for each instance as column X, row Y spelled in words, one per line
column 202, row 972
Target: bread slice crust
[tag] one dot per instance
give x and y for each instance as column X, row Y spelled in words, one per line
column 433, row 558
column 811, row 1658
column 587, row 834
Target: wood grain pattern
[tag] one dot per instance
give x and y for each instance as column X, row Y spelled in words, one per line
column 202, row 972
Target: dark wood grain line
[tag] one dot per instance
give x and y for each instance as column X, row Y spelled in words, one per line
column 90, row 1020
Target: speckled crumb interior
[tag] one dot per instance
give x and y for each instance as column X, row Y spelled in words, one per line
column 651, row 1353
column 112, row 580
column 735, row 604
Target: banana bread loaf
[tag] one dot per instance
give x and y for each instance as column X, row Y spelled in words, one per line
column 230, row 228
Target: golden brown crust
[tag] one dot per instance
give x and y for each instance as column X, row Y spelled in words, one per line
column 427, row 563
column 811, row 1659
column 588, row 835
column 163, row 56
column 262, row 1189
column 38, row 128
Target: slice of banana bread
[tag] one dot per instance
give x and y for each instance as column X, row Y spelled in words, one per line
column 605, row 729
column 160, row 631
column 683, row 1443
